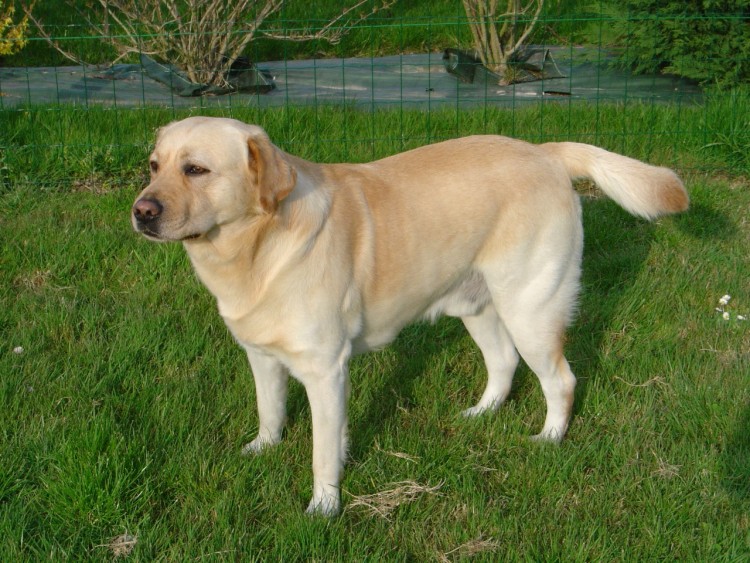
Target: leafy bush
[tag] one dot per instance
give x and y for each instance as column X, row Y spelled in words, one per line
column 707, row 40
column 12, row 35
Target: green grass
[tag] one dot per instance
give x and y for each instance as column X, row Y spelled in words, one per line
column 98, row 147
column 128, row 407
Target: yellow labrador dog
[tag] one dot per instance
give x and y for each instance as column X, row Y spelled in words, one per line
column 312, row 263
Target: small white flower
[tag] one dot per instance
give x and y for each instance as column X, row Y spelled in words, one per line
column 725, row 316
column 724, row 300
column 18, row 350
column 741, row 318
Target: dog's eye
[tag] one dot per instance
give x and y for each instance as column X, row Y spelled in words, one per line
column 154, row 166
column 193, row 170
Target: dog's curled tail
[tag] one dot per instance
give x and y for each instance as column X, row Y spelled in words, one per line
column 643, row 190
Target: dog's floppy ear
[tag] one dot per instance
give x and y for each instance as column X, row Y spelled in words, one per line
column 276, row 177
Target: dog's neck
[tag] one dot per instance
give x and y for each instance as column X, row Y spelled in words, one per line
column 238, row 262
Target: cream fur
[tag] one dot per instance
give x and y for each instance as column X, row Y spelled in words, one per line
column 312, row 263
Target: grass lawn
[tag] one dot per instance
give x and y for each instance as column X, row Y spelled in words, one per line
column 124, row 402
column 126, row 409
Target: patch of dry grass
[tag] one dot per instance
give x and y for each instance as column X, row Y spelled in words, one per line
column 385, row 502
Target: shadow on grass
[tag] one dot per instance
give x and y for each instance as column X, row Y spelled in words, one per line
column 616, row 247
column 703, row 222
column 734, row 463
column 415, row 350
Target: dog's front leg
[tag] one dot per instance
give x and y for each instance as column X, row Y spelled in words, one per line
column 327, row 392
column 271, row 385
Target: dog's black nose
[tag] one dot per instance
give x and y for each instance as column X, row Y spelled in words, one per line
column 146, row 210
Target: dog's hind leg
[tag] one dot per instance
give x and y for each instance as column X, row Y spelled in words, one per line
column 537, row 326
column 558, row 384
column 500, row 358
column 535, row 300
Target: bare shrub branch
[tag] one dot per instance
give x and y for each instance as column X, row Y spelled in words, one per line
column 203, row 38
column 499, row 36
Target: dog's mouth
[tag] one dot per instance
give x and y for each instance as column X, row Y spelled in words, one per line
column 155, row 236
column 148, row 233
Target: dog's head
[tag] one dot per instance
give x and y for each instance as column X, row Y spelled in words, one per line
column 208, row 172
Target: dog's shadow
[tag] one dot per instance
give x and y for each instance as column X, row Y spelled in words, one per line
column 734, row 462
column 408, row 359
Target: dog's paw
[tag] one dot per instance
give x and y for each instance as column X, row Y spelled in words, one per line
column 473, row 412
column 549, row 436
column 258, row 445
column 482, row 408
column 326, row 504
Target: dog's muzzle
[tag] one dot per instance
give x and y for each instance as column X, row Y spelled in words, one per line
column 146, row 213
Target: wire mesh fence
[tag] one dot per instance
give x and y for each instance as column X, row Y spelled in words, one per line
column 394, row 81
